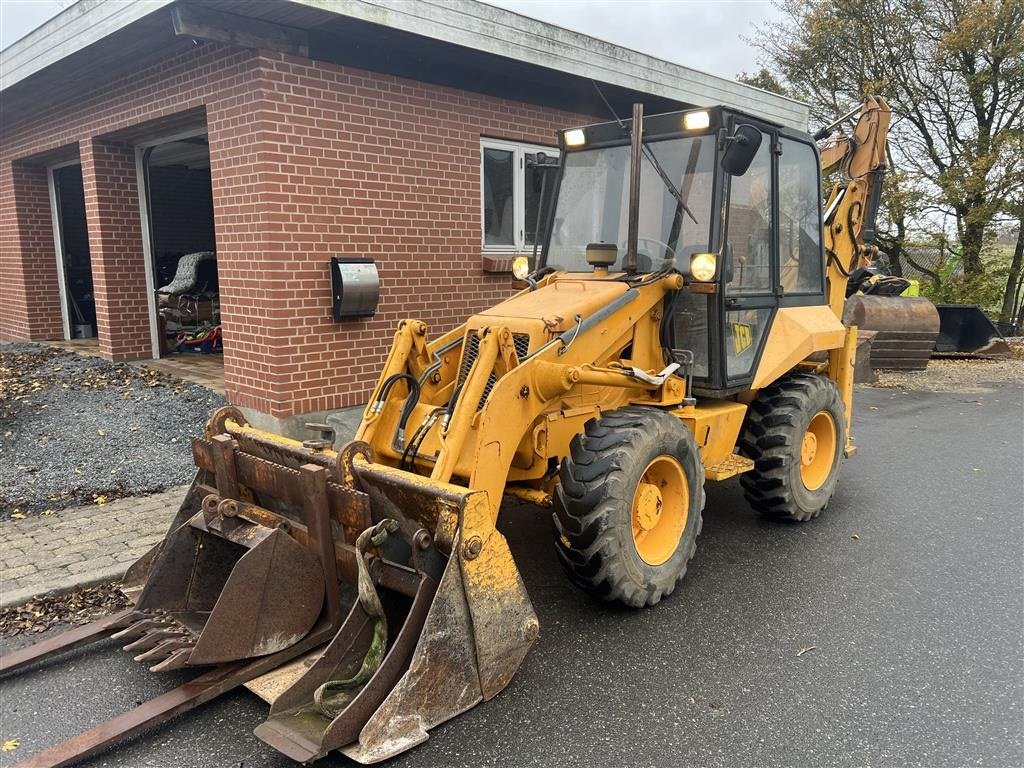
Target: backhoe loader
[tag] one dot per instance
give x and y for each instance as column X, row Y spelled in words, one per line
column 681, row 324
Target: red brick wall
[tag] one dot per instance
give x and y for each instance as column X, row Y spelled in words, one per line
column 361, row 164
column 110, row 180
column 310, row 160
column 28, row 263
column 218, row 76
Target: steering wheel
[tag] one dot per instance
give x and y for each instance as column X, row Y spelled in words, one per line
column 665, row 247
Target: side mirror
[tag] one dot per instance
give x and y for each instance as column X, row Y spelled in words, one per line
column 741, row 149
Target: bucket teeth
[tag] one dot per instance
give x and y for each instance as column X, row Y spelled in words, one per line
column 165, row 649
column 177, row 660
column 153, row 638
column 141, row 627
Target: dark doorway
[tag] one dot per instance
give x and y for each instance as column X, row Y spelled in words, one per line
column 182, row 245
column 74, row 245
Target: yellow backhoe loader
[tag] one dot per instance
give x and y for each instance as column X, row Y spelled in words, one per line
column 682, row 324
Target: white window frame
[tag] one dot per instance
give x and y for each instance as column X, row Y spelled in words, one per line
column 520, row 150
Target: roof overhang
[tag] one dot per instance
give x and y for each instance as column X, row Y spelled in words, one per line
column 99, row 31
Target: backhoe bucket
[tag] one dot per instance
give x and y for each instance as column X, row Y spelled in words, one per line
column 244, row 592
column 232, row 579
column 459, row 641
column 906, row 329
column 137, row 574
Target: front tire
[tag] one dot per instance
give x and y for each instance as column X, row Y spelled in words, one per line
column 628, row 507
column 795, row 432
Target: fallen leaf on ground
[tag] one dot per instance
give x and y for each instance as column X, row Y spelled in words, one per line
column 47, row 512
column 101, row 499
column 100, row 432
column 855, row 536
column 77, row 607
column 807, row 649
column 11, row 744
column 17, row 515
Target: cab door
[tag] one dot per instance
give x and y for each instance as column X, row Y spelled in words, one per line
column 749, row 284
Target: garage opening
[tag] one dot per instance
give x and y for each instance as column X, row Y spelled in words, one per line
column 80, row 305
column 179, row 198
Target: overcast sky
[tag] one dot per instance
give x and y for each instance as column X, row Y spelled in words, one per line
column 703, row 34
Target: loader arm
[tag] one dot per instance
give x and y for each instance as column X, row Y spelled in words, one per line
column 852, row 204
column 514, row 405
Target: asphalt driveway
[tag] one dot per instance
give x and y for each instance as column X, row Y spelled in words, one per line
column 886, row 633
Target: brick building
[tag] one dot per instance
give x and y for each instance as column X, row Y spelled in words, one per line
column 276, row 135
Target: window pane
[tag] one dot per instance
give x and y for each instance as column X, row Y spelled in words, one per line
column 499, row 213
column 750, row 219
column 800, row 257
column 690, row 329
column 537, row 178
column 593, row 203
column 743, row 331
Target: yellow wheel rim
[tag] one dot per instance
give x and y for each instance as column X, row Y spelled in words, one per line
column 818, row 450
column 661, row 504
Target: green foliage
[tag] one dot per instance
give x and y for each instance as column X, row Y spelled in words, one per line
column 984, row 289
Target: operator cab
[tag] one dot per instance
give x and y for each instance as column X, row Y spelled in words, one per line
column 729, row 200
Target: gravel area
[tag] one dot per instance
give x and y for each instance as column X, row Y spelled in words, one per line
column 969, row 375
column 79, row 430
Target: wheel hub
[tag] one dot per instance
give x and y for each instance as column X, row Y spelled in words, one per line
column 660, row 509
column 818, row 450
column 809, row 449
column 648, row 506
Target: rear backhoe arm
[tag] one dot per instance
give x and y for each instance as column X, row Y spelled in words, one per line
column 852, row 204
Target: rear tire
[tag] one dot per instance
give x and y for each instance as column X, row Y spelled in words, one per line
column 628, row 507
column 795, row 432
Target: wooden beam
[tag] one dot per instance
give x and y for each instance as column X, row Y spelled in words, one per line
column 221, row 27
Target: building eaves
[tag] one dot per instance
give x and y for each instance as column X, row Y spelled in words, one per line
column 495, row 30
column 464, row 23
column 76, row 27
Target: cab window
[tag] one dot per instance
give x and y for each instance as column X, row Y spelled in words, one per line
column 800, row 257
column 750, row 226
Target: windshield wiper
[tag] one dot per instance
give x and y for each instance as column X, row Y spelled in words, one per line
column 649, row 154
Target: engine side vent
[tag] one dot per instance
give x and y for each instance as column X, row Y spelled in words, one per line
column 471, row 350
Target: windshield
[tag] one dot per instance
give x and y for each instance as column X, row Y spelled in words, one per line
column 593, row 203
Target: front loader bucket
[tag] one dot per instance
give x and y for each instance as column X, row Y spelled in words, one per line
column 249, row 579
column 459, row 640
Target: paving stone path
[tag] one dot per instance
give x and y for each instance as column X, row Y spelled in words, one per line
column 80, row 546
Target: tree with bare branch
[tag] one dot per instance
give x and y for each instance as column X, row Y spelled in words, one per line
column 953, row 71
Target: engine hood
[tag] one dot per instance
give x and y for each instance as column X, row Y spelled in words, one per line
column 555, row 305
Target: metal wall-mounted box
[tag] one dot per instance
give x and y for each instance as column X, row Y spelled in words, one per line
column 355, row 286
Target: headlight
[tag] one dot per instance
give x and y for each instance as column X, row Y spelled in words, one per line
column 520, row 267
column 696, row 121
column 702, row 266
column 575, row 138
